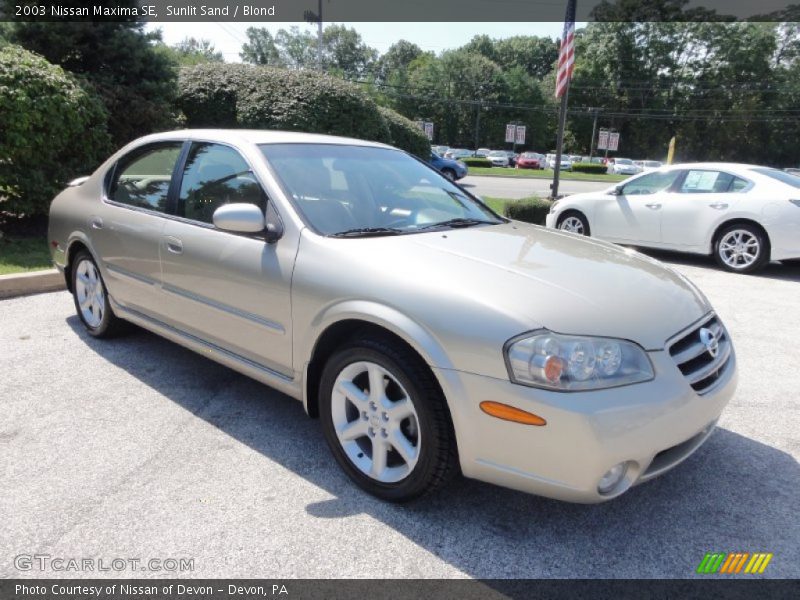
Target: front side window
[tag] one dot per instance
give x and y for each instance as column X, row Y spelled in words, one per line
column 142, row 178
column 339, row 188
column 711, row 182
column 215, row 175
column 651, row 183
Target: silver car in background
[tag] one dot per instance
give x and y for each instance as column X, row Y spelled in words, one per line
column 428, row 334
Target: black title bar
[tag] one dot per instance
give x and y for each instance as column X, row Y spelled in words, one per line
column 438, row 11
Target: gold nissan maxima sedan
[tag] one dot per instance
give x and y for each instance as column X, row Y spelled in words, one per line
column 428, row 334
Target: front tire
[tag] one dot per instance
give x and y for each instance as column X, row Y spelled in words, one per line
column 573, row 222
column 91, row 299
column 449, row 174
column 741, row 248
column 386, row 420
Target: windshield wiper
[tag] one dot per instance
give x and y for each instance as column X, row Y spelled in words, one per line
column 367, row 232
column 459, row 222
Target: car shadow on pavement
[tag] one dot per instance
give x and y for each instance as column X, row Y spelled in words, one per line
column 774, row 270
column 734, row 495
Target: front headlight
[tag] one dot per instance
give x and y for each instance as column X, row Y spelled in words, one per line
column 573, row 363
column 554, row 206
column 461, row 164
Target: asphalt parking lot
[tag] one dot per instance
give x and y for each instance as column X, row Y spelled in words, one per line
column 137, row 448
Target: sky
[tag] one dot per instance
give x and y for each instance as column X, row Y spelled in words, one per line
column 228, row 37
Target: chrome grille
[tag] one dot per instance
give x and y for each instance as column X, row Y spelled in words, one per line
column 690, row 353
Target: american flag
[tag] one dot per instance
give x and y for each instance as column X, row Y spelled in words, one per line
column 566, row 54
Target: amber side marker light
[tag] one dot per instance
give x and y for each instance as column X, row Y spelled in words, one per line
column 509, row 413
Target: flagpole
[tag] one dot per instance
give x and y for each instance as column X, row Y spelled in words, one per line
column 566, row 58
column 562, row 122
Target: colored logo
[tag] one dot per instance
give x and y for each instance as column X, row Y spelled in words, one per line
column 734, row 562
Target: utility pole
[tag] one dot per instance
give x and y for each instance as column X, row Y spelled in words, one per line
column 594, row 132
column 477, row 124
column 319, row 37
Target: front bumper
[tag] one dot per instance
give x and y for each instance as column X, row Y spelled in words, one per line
column 652, row 426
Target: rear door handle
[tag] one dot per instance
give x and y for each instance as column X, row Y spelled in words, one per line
column 97, row 223
column 653, row 206
column 174, row 245
column 719, row 205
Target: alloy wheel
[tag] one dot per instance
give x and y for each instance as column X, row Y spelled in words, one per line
column 739, row 248
column 375, row 422
column 89, row 293
column 572, row 225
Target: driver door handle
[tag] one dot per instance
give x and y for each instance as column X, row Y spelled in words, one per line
column 719, row 205
column 654, row 206
column 173, row 244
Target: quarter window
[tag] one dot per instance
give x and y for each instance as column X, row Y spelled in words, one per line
column 215, row 175
column 651, row 183
column 142, row 179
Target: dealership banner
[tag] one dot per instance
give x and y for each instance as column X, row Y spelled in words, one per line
column 354, row 10
column 393, row 589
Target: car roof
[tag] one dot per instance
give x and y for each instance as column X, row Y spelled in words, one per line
column 259, row 136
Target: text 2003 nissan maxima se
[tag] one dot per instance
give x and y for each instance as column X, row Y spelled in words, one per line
column 427, row 333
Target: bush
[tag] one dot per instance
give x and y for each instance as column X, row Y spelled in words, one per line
column 237, row 95
column 531, row 210
column 476, row 161
column 51, row 130
column 590, row 168
column 405, row 133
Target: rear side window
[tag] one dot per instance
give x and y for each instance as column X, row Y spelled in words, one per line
column 215, row 175
column 142, row 179
column 782, row 176
column 711, row 182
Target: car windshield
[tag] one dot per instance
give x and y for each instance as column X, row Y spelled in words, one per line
column 782, row 176
column 529, row 155
column 652, row 163
column 497, row 153
column 361, row 190
column 623, row 161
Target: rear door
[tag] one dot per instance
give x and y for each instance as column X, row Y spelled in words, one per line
column 702, row 200
column 126, row 228
column 229, row 289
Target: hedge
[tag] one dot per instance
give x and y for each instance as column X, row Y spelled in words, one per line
column 590, row 168
column 476, row 161
column 405, row 133
column 51, row 131
column 531, row 210
column 238, row 95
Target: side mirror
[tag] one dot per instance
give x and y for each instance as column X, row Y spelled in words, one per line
column 616, row 190
column 239, row 218
column 274, row 230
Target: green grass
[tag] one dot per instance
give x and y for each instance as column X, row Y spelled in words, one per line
column 545, row 174
column 22, row 254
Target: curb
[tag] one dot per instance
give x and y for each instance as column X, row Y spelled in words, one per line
column 35, row 282
column 541, row 178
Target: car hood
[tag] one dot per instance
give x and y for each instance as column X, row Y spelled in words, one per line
column 560, row 281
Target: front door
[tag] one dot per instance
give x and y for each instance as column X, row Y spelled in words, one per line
column 634, row 215
column 231, row 290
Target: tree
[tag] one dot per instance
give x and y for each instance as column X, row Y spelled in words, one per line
column 261, row 48
column 397, row 59
column 298, row 48
column 192, row 51
column 135, row 81
column 345, row 53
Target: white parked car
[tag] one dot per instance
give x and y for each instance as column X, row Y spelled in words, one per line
column 566, row 163
column 624, row 166
column 745, row 215
column 499, row 158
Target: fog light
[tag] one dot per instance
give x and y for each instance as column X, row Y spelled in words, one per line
column 612, row 478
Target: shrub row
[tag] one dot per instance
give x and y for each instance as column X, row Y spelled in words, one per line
column 476, row 161
column 238, row 95
column 51, row 130
column 531, row 210
column 590, row 168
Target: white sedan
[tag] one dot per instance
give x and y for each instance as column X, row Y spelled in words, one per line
column 498, row 158
column 745, row 215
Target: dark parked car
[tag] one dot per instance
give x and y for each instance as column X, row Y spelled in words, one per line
column 452, row 169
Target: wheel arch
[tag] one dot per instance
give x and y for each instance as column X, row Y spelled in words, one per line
column 78, row 241
column 344, row 321
column 573, row 210
column 739, row 221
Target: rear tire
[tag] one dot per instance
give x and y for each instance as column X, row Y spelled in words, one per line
column 741, row 248
column 91, row 299
column 397, row 443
